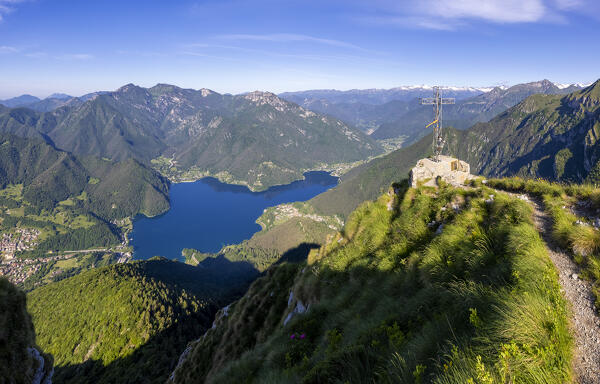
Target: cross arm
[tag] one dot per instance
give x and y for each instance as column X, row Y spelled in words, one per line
column 427, row 100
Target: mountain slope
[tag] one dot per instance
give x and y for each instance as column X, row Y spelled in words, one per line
column 49, row 176
column 472, row 297
column 548, row 136
column 467, row 112
column 128, row 323
column 257, row 138
column 19, row 101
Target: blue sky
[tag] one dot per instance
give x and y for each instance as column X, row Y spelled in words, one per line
column 235, row 46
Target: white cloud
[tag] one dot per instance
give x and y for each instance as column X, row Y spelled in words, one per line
column 452, row 14
column 75, row 56
column 36, row 55
column 8, row 6
column 499, row 11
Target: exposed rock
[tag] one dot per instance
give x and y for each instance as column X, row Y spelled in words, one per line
column 300, row 308
column 448, row 169
column 41, row 376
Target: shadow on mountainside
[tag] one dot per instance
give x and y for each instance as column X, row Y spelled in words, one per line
column 218, row 280
column 297, row 254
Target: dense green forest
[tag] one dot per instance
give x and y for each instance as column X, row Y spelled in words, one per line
column 446, row 286
column 130, row 322
column 110, row 190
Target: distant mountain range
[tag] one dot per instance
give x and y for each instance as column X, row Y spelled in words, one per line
column 50, row 103
column 555, row 137
column 378, row 96
column 257, row 138
column 467, row 112
column 396, row 112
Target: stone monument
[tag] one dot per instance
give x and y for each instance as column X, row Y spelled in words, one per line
column 446, row 168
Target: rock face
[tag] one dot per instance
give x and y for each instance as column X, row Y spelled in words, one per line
column 448, row 169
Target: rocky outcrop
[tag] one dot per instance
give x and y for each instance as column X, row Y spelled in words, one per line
column 43, row 373
column 450, row 170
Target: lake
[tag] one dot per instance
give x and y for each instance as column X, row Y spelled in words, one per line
column 207, row 214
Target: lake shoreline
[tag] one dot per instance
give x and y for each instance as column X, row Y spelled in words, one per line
column 208, row 214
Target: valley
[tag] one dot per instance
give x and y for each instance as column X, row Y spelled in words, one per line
column 299, row 192
column 305, row 258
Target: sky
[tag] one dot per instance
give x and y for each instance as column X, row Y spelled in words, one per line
column 234, row 46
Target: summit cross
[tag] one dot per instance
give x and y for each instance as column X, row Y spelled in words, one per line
column 437, row 101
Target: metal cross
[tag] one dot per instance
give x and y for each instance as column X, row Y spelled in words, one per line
column 437, row 101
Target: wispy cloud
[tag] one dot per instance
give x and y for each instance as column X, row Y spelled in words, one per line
column 257, row 55
column 75, row 56
column 288, row 38
column 7, row 49
column 453, row 14
column 36, row 55
column 8, row 6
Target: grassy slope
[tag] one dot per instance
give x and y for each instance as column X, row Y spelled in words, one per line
column 392, row 301
column 128, row 322
column 571, row 231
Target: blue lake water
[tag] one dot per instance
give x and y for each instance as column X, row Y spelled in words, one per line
column 207, row 214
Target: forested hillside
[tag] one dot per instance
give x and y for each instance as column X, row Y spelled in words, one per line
column 128, row 323
column 112, row 190
column 548, row 136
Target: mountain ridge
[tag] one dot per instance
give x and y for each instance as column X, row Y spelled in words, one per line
column 257, row 138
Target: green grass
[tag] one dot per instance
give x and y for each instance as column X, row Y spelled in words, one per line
column 581, row 240
column 392, row 301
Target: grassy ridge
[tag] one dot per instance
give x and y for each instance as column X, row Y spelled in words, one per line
column 393, row 299
column 570, row 230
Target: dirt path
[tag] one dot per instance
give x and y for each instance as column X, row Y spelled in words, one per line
column 585, row 322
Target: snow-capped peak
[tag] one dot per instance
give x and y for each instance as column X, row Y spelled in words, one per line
column 579, row 85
